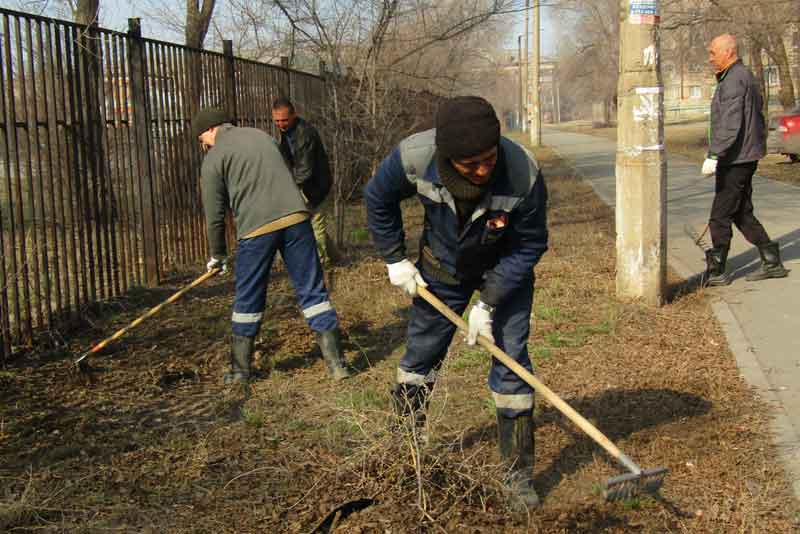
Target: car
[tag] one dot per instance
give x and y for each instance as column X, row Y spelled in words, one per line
column 784, row 135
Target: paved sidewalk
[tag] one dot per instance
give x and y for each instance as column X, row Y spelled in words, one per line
column 761, row 319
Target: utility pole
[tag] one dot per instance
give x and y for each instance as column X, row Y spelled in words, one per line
column 521, row 100
column 527, row 70
column 535, row 108
column 556, row 90
column 641, row 185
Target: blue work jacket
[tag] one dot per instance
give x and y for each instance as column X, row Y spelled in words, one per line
column 501, row 242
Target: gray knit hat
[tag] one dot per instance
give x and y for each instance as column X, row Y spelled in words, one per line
column 208, row 118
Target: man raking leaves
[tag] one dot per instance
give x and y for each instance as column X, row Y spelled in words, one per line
column 244, row 170
column 485, row 230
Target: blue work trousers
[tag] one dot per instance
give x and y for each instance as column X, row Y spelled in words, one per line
column 254, row 257
column 430, row 334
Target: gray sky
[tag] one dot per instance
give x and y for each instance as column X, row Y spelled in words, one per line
column 548, row 32
column 114, row 15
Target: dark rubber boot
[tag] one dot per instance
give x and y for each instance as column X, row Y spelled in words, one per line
column 771, row 266
column 241, row 356
column 716, row 275
column 330, row 344
column 516, row 441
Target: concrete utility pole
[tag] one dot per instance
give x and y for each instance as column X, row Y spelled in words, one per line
column 641, row 216
column 536, row 93
column 521, row 102
column 527, row 70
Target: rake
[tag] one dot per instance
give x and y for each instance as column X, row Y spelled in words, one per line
column 83, row 365
column 698, row 239
column 621, row 487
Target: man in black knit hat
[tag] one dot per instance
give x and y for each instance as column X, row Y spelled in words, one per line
column 485, row 229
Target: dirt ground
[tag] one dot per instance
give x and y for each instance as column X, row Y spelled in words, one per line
column 691, row 140
column 157, row 444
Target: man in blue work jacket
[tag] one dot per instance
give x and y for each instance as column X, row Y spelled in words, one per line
column 485, row 229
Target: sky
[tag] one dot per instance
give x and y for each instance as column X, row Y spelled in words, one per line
column 547, row 32
column 114, row 15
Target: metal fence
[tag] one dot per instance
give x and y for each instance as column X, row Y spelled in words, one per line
column 99, row 178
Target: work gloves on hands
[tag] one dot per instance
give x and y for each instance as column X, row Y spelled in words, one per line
column 480, row 323
column 406, row 276
column 709, row 167
column 217, row 263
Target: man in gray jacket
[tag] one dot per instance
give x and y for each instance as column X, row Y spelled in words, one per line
column 737, row 140
column 243, row 170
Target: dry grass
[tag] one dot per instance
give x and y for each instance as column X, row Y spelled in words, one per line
column 158, row 445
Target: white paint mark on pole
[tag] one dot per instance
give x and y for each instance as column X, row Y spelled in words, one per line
column 647, row 108
column 649, row 90
column 649, row 56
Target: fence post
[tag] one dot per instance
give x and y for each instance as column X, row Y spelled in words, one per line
column 141, row 118
column 285, row 67
column 230, row 81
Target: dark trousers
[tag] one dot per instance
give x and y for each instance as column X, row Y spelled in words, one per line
column 733, row 204
column 254, row 259
column 430, row 334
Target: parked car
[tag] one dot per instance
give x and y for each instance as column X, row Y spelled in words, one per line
column 784, row 135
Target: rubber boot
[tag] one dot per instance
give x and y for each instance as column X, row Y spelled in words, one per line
column 410, row 406
column 330, row 343
column 716, row 275
column 516, row 441
column 771, row 266
column 241, row 356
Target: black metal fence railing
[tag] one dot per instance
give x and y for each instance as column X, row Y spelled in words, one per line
column 99, row 186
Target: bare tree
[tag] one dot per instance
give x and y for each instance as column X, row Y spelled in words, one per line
column 385, row 60
column 85, row 11
column 198, row 19
column 763, row 28
column 589, row 53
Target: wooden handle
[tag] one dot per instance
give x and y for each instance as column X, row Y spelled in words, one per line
column 527, row 376
column 149, row 313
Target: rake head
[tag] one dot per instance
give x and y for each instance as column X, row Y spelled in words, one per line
column 629, row 485
column 83, row 372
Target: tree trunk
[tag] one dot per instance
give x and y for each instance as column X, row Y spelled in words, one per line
column 758, row 72
column 786, row 94
column 86, row 11
column 197, row 21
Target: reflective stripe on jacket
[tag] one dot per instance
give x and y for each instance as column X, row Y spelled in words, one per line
column 505, row 236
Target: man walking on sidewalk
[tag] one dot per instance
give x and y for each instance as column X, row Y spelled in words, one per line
column 485, row 229
column 737, row 140
column 244, row 170
column 301, row 146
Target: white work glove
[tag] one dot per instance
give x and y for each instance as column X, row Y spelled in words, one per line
column 709, row 167
column 217, row 263
column 405, row 275
column 480, row 323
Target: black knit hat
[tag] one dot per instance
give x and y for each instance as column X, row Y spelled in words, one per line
column 466, row 126
column 208, row 118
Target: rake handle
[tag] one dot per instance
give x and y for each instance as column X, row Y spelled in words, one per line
column 534, row 382
column 149, row 313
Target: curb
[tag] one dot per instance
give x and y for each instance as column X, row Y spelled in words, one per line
column 785, row 437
